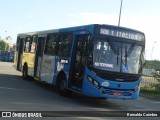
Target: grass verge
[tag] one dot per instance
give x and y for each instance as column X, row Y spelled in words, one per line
column 151, row 92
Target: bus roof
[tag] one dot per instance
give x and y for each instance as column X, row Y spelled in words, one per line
column 90, row 28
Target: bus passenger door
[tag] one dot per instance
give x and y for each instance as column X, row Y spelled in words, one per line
column 39, row 55
column 19, row 52
column 78, row 62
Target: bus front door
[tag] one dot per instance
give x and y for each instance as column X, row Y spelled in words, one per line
column 39, row 55
column 78, row 62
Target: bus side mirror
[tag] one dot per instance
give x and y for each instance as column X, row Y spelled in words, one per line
column 143, row 60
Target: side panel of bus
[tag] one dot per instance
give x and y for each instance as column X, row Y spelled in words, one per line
column 47, row 60
column 57, row 49
column 39, row 56
column 28, row 57
column 47, row 69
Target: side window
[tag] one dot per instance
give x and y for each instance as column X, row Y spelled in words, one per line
column 33, row 44
column 20, row 45
column 81, row 49
column 82, row 44
column 27, row 44
column 64, row 44
column 50, row 46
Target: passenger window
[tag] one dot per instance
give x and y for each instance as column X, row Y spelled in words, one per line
column 27, row 45
column 33, row 45
column 50, row 46
column 64, row 44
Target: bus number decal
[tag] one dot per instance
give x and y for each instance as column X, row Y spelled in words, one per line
column 122, row 34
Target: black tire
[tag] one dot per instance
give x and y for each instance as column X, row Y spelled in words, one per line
column 62, row 87
column 25, row 73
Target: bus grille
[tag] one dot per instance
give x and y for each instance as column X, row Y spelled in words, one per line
column 119, row 77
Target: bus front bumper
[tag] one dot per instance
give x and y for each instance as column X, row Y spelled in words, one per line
column 119, row 94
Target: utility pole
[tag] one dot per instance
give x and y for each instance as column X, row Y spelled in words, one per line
column 120, row 13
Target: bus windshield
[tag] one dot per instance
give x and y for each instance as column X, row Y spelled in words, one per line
column 117, row 56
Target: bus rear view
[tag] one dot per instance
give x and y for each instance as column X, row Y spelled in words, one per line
column 115, row 61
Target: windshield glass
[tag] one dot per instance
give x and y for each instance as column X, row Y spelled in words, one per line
column 131, row 58
column 106, row 55
column 115, row 56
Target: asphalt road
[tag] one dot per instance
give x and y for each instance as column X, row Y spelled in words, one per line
column 17, row 94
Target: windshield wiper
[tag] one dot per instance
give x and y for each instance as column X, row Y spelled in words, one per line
column 131, row 48
column 128, row 53
column 115, row 49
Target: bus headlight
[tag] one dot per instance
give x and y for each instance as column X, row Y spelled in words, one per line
column 89, row 78
column 105, row 84
column 94, row 82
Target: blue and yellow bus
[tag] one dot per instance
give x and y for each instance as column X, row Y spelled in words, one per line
column 102, row 61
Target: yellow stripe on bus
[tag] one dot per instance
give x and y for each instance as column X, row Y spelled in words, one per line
column 36, row 78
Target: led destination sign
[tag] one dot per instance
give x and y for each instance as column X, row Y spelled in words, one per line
column 122, row 34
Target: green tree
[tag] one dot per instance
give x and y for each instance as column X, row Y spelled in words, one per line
column 3, row 45
column 152, row 64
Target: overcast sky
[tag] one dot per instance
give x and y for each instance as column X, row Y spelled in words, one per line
column 18, row 16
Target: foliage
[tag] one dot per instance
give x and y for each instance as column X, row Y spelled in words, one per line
column 3, row 45
column 152, row 64
column 152, row 92
column 157, row 76
column 155, row 88
column 150, row 95
column 14, row 46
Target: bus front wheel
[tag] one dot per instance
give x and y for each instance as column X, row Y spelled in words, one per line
column 62, row 87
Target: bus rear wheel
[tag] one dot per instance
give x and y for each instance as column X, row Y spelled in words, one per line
column 25, row 73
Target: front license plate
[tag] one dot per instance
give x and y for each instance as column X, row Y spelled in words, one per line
column 117, row 93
